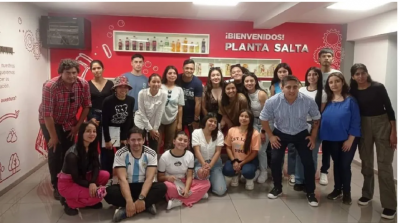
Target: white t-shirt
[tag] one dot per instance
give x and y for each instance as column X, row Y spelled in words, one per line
column 207, row 149
column 325, row 75
column 175, row 99
column 313, row 94
column 135, row 168
column 176, row 166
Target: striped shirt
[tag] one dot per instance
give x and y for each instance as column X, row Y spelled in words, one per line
column 135, row 168
column 290, row 118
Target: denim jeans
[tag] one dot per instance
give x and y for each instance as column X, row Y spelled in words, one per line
column 248, row 169
column 217, row 179
column 299, row 175
column 262, row 152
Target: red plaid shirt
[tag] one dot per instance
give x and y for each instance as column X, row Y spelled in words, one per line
column 63, row 104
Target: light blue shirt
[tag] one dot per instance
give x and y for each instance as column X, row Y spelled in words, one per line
column 290, row 118
column 137, row 83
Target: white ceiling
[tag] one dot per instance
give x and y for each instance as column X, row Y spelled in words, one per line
column 265, row 15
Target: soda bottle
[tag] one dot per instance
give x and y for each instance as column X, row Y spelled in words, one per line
column 141, row 46
column 161, row 46
column 191, row 48
column 166, row 45
column 154, row 44
column 120, row 44
column 178, row 46
column 203, row 46
column 127, row 43
column 185, row 45
column 148, row 45
column 173, row 46
column 197, row 47
column 134, row 43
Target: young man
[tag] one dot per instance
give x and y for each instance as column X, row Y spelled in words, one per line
column 135, row 165
column 193, row 90
column 289, row 113
column 237, row 74
column 62, row 97
column 136, row 79
column 325, row 57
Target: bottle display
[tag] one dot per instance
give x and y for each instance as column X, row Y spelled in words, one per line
column 134, row 43
column 166, row 45
column 148, row 45
column 203, row 46
column 154, row 44
column 178, row 46
column 185, row 45
column 161, row 46
column 191, row 48
column 127, row 44
column 173, row 46
column 197, row 47
column 120, row 44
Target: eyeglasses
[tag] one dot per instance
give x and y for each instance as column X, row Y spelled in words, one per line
column 169, row 96
column 229, row 81
column 71, row 97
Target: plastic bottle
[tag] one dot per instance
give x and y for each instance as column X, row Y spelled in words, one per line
column 197, row 47
column 185, row 45
column 141, row 46
column 154, row 44
column 161, row 46
column 203, row 46
column 148, row 45
column 166, row 45
column 127, row 44
column 173, row 46
column 120, row 44
column 134, row 43
column 178, row 46
column 191, row 48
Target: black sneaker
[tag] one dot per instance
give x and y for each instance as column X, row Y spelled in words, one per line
column 96, row 206
column 388, row 214
column 119, row 214
column 312, row 200
column 347, row 198
column 335, row 194
column 69, row 211
column 363, row 201
column 299, row 187
column 152, row 209
column 56, row 195
column 63, row 201
column 274, row 193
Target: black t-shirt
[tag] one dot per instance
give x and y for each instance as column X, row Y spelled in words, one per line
column 374, row 101
column 239, row 88
column 191, row 90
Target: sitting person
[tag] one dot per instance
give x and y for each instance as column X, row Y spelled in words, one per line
column 242, row 145
column 176, row 168
column 207, row 143
column 135, row 165
column 80, row 176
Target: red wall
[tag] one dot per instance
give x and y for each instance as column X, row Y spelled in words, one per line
column 315, row 36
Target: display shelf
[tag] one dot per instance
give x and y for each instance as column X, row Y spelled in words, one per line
column 263, row 68
column 154, row 42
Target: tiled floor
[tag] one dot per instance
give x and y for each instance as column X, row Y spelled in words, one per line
column 31, row 201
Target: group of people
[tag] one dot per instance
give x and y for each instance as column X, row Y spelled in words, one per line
column 134, row 117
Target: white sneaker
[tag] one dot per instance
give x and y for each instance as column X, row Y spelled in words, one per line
column 292, row 180
column 263, row 177
column 173, row 203
column 205, row 196
column 235, row 181
column 323, row 179
column 249, row 184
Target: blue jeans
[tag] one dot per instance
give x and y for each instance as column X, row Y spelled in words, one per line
column 262, row 152
column 248, row 170
column 217, row 179
column 299, row 175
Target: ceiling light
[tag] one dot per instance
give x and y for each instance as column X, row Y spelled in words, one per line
column 216, row 2
column 357, row 6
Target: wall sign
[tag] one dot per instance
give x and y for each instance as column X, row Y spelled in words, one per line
column 6, row 50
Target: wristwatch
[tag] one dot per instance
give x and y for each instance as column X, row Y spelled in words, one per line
column 141, row 198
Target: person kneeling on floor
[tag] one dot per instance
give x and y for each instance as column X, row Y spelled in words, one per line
column 135, row 166
column 80, row 176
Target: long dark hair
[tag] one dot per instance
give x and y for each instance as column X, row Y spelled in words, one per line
column 96, row 61
column 353, row 70
column 276, row 79
column 164, row 77
column 257, row 86
column 209, row 86
column 91, row 156
column 250, row 130
column 320, row 86
column 345, row 88
column 209, row 115
column 225, row 98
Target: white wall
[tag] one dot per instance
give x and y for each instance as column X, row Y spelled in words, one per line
column 27, row 69
column 376, row 47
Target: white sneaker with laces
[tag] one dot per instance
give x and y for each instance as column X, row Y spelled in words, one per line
column 235, row 181
column 292, row 180
column 323, row 180
column 249, row 184
column 263, row 177
column 205, row 196
column 173, row 203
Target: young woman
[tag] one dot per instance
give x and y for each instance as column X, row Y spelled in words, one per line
column 151, row 104
column 257, row 98
column 378, row 126
column 171, row 121
column 242, row 145
column 116, row 117
column 314, row 89
column 176, row 168
column 80, row 180
column 212, row 93
column 281, row 71
column 231, row 104
column 341, row 117
column 207, row 143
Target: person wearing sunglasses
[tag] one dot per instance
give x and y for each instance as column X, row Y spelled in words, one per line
column 62, row 97
column 212, row 92
column 171, row 121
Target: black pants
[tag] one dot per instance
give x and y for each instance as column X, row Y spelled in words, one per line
column 300, row 143
column 56, row 159
column 341, row 163
column 190, row 130
column 156, row 194
column 326, row 159
column 152, row 143
column 269, row 149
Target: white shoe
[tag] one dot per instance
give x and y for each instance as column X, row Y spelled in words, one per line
column 263, row 177
column 249, row 184
column 205, row 196
column 173, row 203
column 235, row 181
column 323, row 179
column 292, row 180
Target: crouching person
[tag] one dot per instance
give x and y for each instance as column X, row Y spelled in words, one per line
column 135, row 166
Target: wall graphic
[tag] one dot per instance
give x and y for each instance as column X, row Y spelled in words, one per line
column 332, row 39
column 12, row 136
